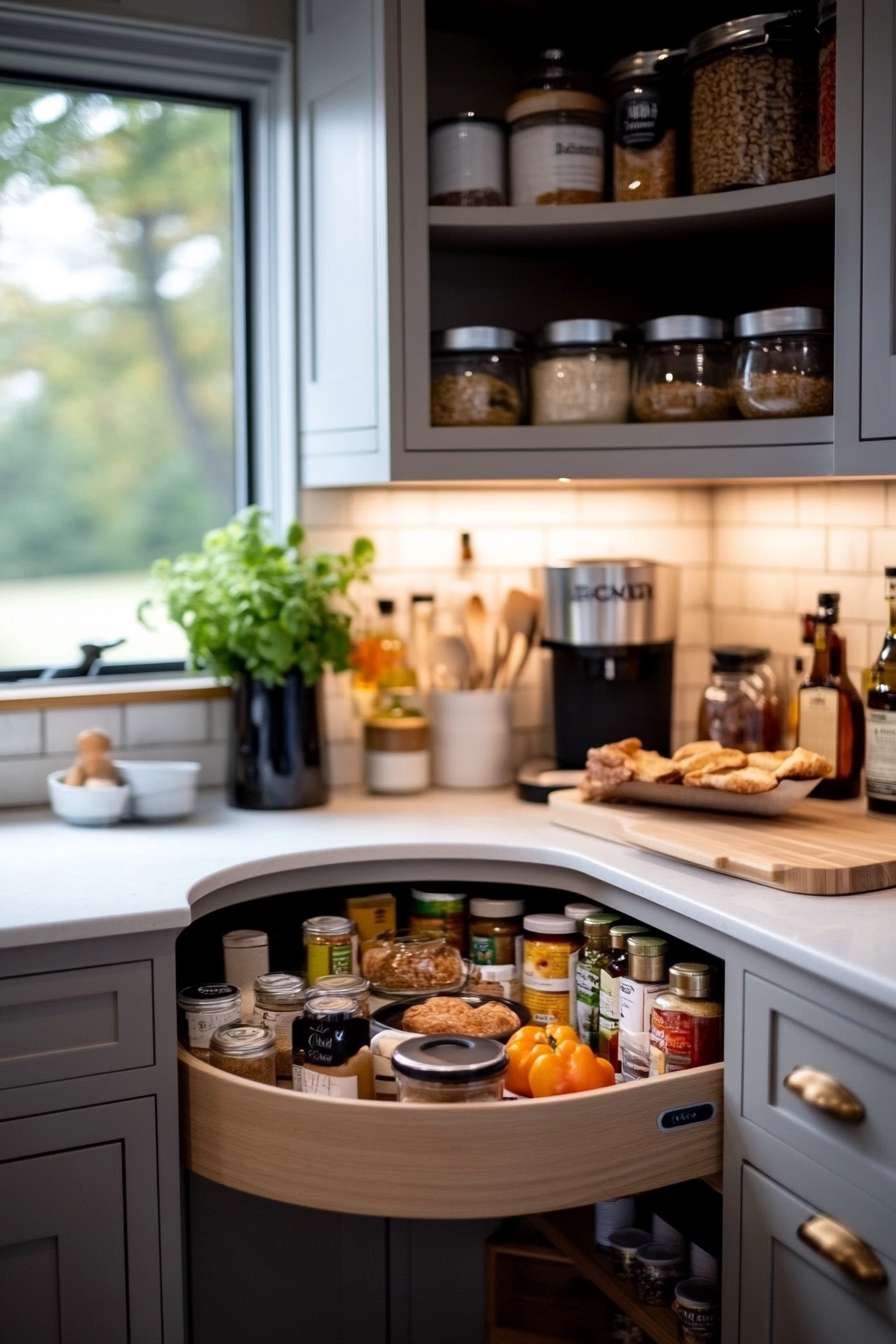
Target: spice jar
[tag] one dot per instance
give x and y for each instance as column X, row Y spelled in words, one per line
column 639, row 988
column 783, row 363
column 328, row 943
column 580, row 374
column 245, row 958
column 478, row 377
column 593, row 958
column 698, row 1308
column 752, row 103
column 610, row 977
column 396, row 738
column 550, row 947
column 827, row 86
column 353, row 987
column 579, row 911
column 683, row 370
column 439, row 913
column 279, row 1000
column 249, row 1052
column 646, row 94
column 454, row 1070
column 466, row 161
column 557, row 136
column 733, row 707
column 331, row 1049
column 624, row 1246
column 686, row 1021
column 496, row 943
column 203, row 1009
column 660, row 1267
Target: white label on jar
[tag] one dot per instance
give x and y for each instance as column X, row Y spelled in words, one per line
column 880, row 761
column 466, row 158
column 280, row 1023
column 547, row 159
column 323, row 1084
column 819, row 721
column 204, row 1022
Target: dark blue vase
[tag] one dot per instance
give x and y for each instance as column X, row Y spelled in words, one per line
column 276, row 745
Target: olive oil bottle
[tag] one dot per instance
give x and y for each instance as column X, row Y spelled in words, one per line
column 880, row 759
column 831, row 714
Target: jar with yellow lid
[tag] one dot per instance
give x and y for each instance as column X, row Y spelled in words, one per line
column 396, row 737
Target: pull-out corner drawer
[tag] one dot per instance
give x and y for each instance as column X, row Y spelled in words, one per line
column 491, row 1160
column 784, row 1033
column 70, row 1024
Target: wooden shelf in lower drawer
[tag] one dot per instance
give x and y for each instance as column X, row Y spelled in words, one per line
column 491, row 1160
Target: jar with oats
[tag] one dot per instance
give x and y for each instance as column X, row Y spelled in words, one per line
column 478, row 377
column 279, row 1000
column 249, row 1052
column 580, row 373
column 646, row 96
column 783, row 363
column 683, row 370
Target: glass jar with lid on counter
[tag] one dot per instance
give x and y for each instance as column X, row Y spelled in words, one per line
column 453, row 1070
column 734, row 709
column 646, row 95
column 783, row 363
column 478, row 377
column 580, row 373
column 396, row 738
column 683, row 371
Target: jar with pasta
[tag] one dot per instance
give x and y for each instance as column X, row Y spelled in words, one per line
column 646, row 94
column 580, row 373
column 683, row 371
column 478, row 377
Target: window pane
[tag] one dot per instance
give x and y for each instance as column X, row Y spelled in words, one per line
column 117, row 409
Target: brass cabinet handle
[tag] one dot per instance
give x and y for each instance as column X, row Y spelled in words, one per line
column 825, row 1093
column 843, row 1248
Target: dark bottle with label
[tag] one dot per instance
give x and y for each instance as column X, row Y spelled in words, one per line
column 610, row 975
column 593, row 958
column 880, row 760
column 831, row 714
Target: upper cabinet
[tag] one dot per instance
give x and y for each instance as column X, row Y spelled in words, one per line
column 381, row 268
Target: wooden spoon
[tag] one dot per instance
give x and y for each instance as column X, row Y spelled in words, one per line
column 513, row 664
column 519, row 616
column 477, row 626
column 452, row 663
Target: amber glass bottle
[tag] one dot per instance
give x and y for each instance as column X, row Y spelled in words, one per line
column 832, row 717
column 880, row 764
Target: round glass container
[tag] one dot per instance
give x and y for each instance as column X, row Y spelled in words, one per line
column 646, row 96
column 624, row 1246
column 353, row 987
column 686, row 1021
column 439, row 914
column 496, row 943
column 783, row 363
column 331, row 1054
column 249, row 1052
column 699, row 1310
column 204, row 1008
column 478, row 377
column 328, row 946
column 450, row 1069
column 466, row 161
column 579, row 374
column 557, row 141
column 402, row 964
column 550, row 947
column 279, row 1000
column 827, row 86
column 733, row 709
column 753, row 118
column 683, row 371
column 660, row 1267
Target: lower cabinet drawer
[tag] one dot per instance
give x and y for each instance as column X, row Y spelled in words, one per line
column 785, row 1033
column 69, row 1024
column 490, row 1160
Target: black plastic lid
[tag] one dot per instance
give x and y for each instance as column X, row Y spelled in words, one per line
column 423, row 597
column 386, row 606
column 738, row 657
column 828, row 607
column 890, row 572
column 449, row 1059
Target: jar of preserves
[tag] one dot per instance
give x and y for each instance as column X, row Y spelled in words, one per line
column 557, row 136
column 550, row 949
column 686, row 1021
column 580, row 374
column 683, row 370
column 249, row 1052
column 827, row 86
column 699, row 1310
column 440, row 914
column 660, row 1267
column 478, row 377
column 496, row 943
column 453, row 1070
column 279, row 1000
column 204, row 1008
column 752, row 102
column 353, row 987
column 331, row 1049
column 466, row 161
column 733, row 709
column 329, row 948
column 646, row 95
column 783, row 363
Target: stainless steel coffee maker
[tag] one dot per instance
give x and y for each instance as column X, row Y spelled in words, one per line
column 611, row 625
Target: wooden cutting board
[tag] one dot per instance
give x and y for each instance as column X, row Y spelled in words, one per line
column 817, row 849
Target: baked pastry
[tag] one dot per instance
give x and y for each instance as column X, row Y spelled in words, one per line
column 767, row 760
column 455, row 1016
column 749, row 779
column 711, row 762
column 653, row 768
column 803, row 764
column 695, row 748
column 494, row 1019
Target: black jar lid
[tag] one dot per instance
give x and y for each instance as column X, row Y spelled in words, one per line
column 471, row 339
column 577, row 331
column 646, row 64
column 738, row 657
column 449, row 1059
column 683, row 327
column 202, row 996
column 779, row 321
column 741, row 34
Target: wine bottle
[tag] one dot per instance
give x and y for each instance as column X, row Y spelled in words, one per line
column 880, row 759
column 831, row 713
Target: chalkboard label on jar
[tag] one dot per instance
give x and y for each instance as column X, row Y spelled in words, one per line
column 680, row 1116
column 641, row 120
column 329, row 1044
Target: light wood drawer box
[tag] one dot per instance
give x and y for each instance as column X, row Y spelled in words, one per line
column 490, row 1160
column 784, row 1032
column 70, row 1024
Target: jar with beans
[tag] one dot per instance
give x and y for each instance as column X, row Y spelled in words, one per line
column 478, row 377
column 646, row 108
column 753, row 109
column 683, row 371
column 783, row 363
column 827, row 86
column 580, row 374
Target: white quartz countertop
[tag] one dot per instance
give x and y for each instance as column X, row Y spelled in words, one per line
column 60, row 882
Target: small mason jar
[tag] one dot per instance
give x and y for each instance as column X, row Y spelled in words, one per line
column 353, row 987
column 329, row 946
column 204, row 1008
column 783, row 363
column 624, row 1246
column 580, row 374
column 660, row 1268
column 279, row 1000
column 683, row 371
column 450, row 1069
column 733, row 709
column 249, row 1052
column 478, row 377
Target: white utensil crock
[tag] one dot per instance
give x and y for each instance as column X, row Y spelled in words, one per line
column 471, row 740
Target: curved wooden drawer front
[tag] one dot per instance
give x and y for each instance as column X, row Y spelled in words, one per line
column 481, row 1161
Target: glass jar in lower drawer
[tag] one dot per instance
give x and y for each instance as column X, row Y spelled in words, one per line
column 783, row 363
column 450, row 1069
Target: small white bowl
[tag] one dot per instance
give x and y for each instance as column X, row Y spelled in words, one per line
column 160, row 790
column 87, row 807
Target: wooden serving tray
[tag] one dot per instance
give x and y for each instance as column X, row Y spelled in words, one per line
column 817, row 849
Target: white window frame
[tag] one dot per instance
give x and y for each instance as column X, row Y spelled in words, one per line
column 257, row 72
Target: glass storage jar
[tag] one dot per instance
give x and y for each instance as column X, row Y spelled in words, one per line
column 683, row 370
column 279, row 1000
column 646, row 97
column 204, row 1008
column 783, row 363
column 686, row 1021
column 440, row 914
column 660, row 1268
column 733, row 706
column 752, row 103
column 331, row 1054
column 406, row 963
column 466, row 161
column 450, row 1069
column 249, row 1052
column 353, row 987
column 396, row 738
column 496, row 944
column 580, row 374
column 550, row 950
column 329, row 945
column 827, row 86
column 557, row 135
column 478, row 377
column 625, row 1243
column 699, row 1310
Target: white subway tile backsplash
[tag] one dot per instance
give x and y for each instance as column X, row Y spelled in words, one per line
column 883, row 550
column 168, row 721
column 770, row 504
column 20, row 733
column 23, row 783
column 862, row 503
column 848, row 549
column 811, row 504
column 62, row 726
column 629, row 506
column 766, row 590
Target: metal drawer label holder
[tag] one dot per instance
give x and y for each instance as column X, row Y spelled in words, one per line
column 679, row 1116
